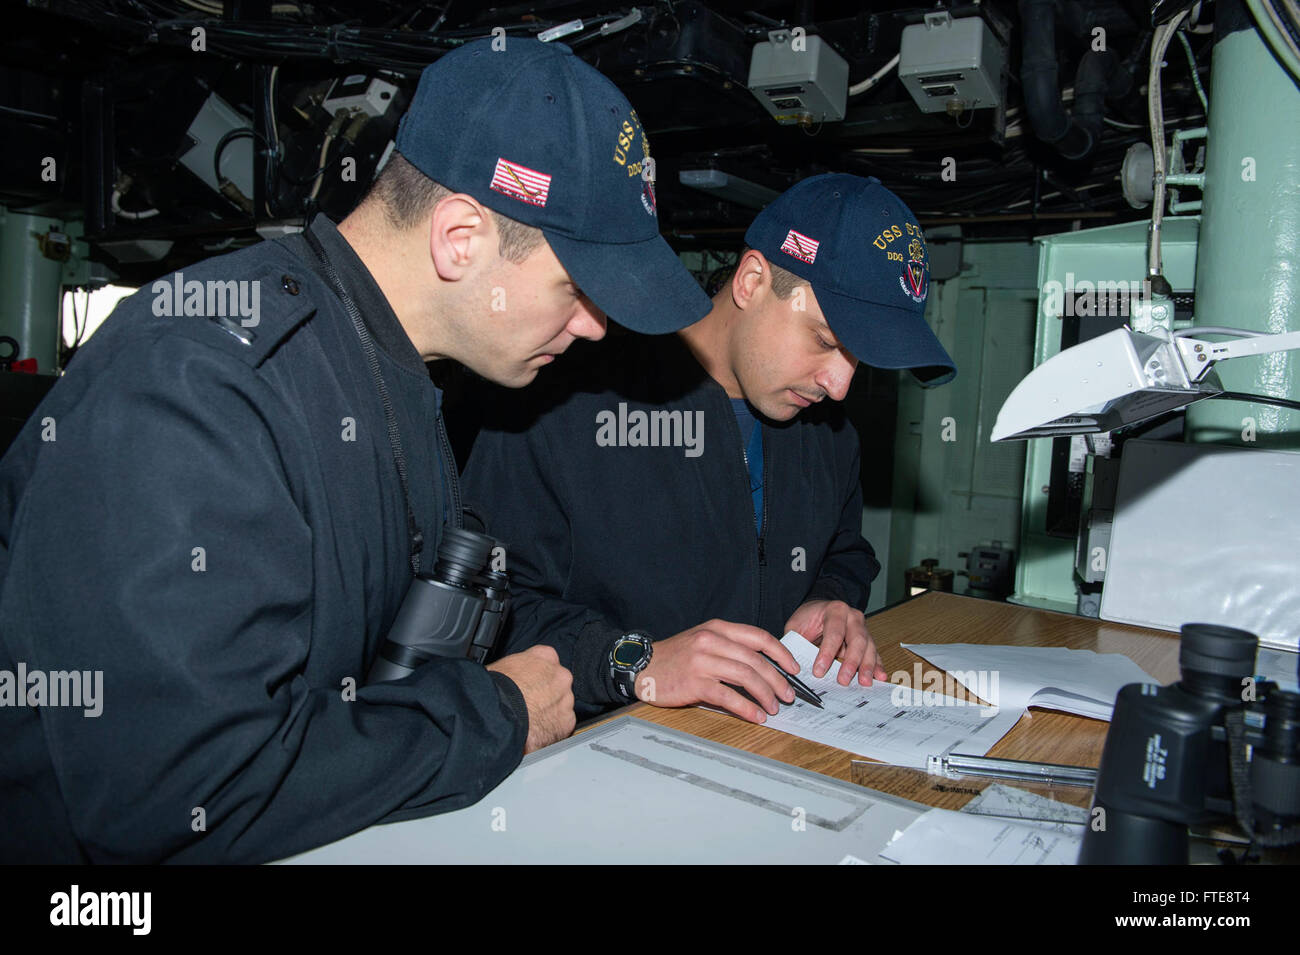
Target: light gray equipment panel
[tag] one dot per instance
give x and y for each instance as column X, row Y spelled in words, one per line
column 944, row 61
column 1206, row 534
column 636, row 792
column 799, row 79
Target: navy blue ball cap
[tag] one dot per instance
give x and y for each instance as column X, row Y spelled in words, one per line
column 863, row 253
column 536, row 134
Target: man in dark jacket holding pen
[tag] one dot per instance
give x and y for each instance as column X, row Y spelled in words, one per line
column 681, row 502
column 212, row 520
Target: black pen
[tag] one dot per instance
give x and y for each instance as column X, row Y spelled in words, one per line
column 801, row 690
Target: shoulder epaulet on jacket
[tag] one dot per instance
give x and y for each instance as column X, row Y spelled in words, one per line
column 247, row 311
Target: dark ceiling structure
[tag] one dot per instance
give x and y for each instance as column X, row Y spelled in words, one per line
column 112, row 92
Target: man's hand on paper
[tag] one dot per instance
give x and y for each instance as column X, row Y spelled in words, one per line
column 696, row 665
column 839, row 632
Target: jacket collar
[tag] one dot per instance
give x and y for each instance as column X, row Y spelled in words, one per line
column 378, row 315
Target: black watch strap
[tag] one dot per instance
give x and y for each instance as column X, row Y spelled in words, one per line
column 629, row 655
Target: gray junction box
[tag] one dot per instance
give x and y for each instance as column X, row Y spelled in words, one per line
column 951, row 65
column 799, row 79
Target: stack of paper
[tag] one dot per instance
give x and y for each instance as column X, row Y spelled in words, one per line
column 1003, row 825
column 944, row 837
column 884, row 721
column 1024, row 807
column 1278, row 666
column 1055, row 678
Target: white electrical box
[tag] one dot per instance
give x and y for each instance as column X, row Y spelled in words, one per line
column 210, row 125
column 359, row 93
column 799, row 79
column 951, row 65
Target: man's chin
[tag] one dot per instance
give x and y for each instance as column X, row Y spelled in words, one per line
column 779, row 411
column 519, row 376
column 523, row 378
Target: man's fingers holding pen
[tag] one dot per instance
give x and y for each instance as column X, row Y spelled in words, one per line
column 756, row 639
column 754, row 682
column 726, row 661
column 692, row 666
column 745, row 646
column 728, row 698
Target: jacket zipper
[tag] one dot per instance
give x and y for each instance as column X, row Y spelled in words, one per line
column 453, row 483
column 744, row 476
column 749, row 496
column 762, row 549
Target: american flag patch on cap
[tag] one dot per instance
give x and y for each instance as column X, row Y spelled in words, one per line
column 800, row 246
column 520, row 182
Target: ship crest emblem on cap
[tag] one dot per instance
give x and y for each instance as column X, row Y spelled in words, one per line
column 913, row 278
column 520, row 182
column 648, row 197
column 800, row 246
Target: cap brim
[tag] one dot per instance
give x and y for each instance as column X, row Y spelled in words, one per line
column 886, row 336
column 641, row 285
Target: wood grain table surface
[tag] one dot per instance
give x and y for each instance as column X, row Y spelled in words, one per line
column 1040, row 735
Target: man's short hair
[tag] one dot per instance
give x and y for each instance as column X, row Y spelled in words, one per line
column 408, row 197
column 783, row 282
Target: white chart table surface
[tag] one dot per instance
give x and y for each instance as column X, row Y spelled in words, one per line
column 631, row 791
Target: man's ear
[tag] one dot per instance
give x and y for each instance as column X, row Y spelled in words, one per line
column 752, row 279
column 462, row 235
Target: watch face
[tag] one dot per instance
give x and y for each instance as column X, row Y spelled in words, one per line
column 628, row 653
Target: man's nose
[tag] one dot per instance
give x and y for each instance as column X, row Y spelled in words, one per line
column 838, row 375
column 588, row 322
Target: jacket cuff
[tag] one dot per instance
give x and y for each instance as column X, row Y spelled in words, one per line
column 592, row 681
column 826, row 588
column 512, row 700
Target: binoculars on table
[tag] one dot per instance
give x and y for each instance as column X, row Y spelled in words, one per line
column 1213, row 747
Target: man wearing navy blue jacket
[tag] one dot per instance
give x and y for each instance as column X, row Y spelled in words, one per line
column 209, row 525
column 674, row 505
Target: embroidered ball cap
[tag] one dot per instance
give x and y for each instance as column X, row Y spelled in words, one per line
column 861, row 250
column 538, row 135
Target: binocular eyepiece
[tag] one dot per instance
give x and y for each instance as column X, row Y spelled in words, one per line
column 457, row 611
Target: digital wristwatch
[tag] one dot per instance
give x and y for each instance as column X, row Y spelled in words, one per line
column 629, row 655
